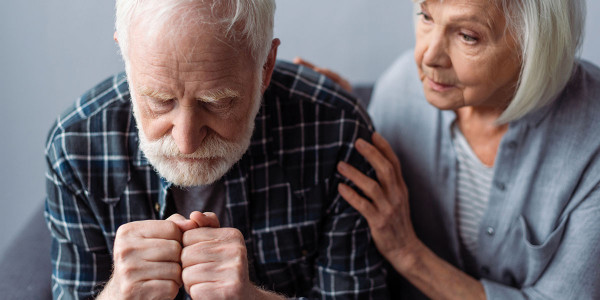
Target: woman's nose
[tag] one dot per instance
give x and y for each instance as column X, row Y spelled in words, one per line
column 436, row 52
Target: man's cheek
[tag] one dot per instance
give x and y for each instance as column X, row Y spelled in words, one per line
column 156, row 128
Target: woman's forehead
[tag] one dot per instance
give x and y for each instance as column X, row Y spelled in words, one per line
column 487, row 12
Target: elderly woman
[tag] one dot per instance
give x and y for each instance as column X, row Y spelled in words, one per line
column 489, row 186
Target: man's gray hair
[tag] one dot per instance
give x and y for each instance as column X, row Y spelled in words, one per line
column 249, row 22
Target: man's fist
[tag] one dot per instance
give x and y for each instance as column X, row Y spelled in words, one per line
column 147, row 257
column 214, row 261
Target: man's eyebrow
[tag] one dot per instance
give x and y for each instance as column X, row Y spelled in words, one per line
column 218, row 94
column 149, row 92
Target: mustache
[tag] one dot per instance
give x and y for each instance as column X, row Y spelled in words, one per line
column 212, row 147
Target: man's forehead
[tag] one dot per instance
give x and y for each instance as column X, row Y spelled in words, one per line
column 183, row 24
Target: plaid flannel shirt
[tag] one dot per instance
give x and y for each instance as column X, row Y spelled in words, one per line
column 302, row 239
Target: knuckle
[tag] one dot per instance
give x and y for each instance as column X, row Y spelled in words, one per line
column 189, row 274
column 239, row 251
column 127, row 271
column 367, row 148
column 125, row 230
column 233, row 234
column 379, row 224
column 364, row 205
column 176, row 270
column 172, row 289
column 372, row 186
column 387, row 169
column 186, row 276
column 188, row 237
column 186, row 254
column 388, row 215
column 121, row 252
column 174, row 247
column 172, row 228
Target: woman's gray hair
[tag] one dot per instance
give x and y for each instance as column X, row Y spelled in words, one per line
column 549, row 34
column 249, row 22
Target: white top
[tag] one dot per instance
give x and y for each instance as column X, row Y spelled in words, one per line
column 473, row 184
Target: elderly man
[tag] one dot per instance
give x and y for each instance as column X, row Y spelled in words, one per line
column 206, row 120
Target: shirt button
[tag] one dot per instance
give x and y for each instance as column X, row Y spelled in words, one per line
column 156, row 206
column 500, row 186
column 490, row 231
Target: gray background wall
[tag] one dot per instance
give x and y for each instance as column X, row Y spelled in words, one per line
column 52, row 51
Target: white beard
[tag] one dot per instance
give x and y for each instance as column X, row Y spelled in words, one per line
column 208, row 163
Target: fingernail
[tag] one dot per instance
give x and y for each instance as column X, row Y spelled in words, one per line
column 342, row 166
column 360, row 144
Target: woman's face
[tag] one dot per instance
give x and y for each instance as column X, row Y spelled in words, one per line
column 464, row 54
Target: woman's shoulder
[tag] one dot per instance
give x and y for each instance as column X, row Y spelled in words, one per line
column 585, row 82
column 579, row 103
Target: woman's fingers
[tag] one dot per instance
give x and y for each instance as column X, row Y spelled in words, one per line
column 300, row 61
column 337, row 78
column 362, row 205
column 385, row 170
column 382, row 144
column 366, row 184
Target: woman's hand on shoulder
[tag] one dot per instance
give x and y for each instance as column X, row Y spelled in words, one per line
column 345, row 84
column 388, row 212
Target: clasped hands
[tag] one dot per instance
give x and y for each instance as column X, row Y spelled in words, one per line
column 154, row 258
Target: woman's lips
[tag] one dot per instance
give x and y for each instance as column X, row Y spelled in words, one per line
column 439, row 87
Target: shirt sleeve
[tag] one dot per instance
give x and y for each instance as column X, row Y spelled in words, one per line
column 81, row 262
column 573, row 272
column 348, row 265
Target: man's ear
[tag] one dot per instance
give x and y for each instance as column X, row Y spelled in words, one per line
column 115, row 37
column 269, row 65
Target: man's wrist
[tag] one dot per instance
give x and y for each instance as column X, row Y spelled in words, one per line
column 107, row 292
column 261, row 294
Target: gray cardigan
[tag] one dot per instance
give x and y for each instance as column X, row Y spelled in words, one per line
column 540, row 236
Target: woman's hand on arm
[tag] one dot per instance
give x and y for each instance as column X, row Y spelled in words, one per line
column 388, row 215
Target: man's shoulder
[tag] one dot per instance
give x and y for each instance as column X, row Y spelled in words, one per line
column 294, row 86
column 308, row 123
column 97, row 127
column 105, row 107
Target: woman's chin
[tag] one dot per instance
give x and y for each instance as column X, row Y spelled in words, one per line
column 443, row 103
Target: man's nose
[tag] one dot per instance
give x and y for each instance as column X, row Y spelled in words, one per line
column 188, row 130
column 436, row 53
